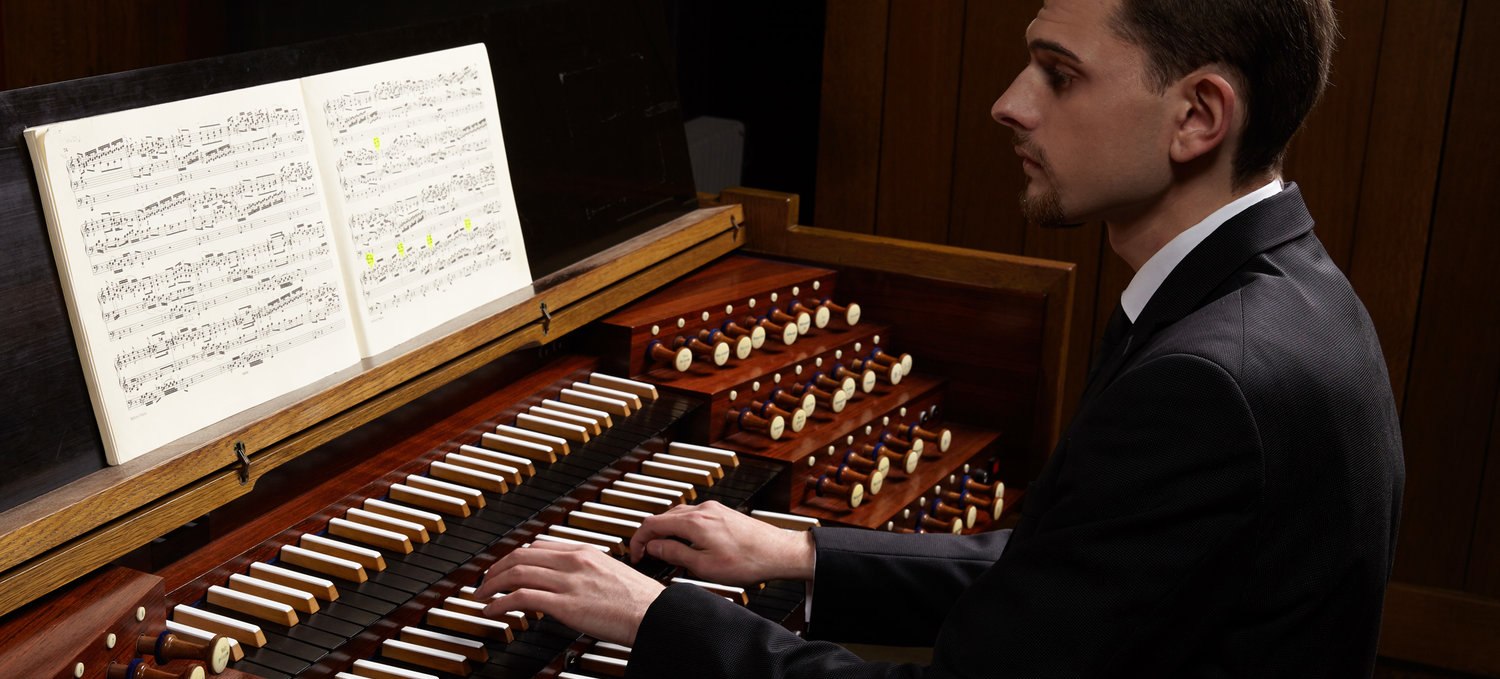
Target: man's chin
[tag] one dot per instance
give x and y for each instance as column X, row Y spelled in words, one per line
column 1044, row 209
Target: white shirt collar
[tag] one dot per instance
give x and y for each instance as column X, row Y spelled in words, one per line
column 1143, row 286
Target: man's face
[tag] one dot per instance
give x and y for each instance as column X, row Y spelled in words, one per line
column 1093, row 134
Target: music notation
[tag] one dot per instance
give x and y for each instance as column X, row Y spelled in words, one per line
column 423, row 189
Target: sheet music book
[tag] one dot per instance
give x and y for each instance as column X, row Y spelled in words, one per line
column 220, row 251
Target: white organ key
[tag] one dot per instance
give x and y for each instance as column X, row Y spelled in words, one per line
column 612, row 406
column 472, row 496
column 672, row 495
column 426, row 499
column 464, row 623
column 562, row 540
column 571, row 432
column 300, row 601
column 412, row 530
column 614, row 544
column 246, row 633
column 378, row 538
column 608, row 525
column 526, row 450
column 713, row 468
column 428, row 520
column 589, row 424
column 332, row 566
column 598, row 416
column 726, row 458
column 302, row 582
column 602, row 664
column 727, row 591
column 368, row 558
column 430, row 658
column 636, row 501
column 251, row 605
column 616, row 511
column 630, row 398
column 507, row 465
column 788, row 521
column 558, row 444
column 375, row 670
column 644, row 390
column 468, row 475
column 661, row 470
column 467, row 648
column 516, row 619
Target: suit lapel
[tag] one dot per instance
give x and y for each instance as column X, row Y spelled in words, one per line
column 1263, row 226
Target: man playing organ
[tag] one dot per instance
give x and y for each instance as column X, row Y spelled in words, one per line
column 1224, row 501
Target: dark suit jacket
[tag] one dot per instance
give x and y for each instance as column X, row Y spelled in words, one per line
column 1223, row 504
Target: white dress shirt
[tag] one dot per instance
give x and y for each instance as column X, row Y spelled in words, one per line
column 1161, row 264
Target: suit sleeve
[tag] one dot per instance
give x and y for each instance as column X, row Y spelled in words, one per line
column 1160, row 478
column 1124, row 554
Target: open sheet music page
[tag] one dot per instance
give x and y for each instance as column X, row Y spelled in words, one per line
column 427, row 222
column 195, row 251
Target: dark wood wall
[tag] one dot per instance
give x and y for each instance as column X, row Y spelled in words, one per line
column 1399, row 167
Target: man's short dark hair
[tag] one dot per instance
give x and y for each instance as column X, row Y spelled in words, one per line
column 1280, row 49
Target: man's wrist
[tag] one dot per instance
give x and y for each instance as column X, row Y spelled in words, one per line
column 802, row 557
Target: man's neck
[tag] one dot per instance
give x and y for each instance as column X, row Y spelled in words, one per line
column 1138, row 238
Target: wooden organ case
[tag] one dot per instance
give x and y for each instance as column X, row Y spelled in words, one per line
column 673, row 348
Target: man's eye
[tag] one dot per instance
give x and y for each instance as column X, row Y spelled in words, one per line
column 1058, row 79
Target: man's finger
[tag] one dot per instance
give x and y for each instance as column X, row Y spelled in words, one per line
column 525, row 600
column 681, row 525
column 675, row 553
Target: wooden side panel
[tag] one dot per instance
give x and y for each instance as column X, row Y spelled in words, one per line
column 854, row 58
column 916, row 149
column 1325, row 159
column 987, row 177
column 1400, row 177
column 1455, row 368
column 1442, row 628
column 1484, row 560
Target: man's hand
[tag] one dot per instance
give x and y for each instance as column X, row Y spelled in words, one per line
column 719, row 544
column 581, row 587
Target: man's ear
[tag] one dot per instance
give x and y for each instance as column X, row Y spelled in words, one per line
column 1207, row 115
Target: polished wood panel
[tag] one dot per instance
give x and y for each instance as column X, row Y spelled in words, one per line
column 104, row 603
column 1455, row 369
column 916, row 147
column 1400, row 182
column 854, row 59
column 1443, row 628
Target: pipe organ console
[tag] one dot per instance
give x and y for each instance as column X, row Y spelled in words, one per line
column 809, row 377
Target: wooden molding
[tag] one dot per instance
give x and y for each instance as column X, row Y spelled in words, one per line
column 1442, row 628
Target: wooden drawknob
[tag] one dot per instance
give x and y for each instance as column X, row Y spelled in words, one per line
column 904, row 360
column 891, row 372
column 843, row 474
column 968, row 513
column 823, row 486
column 865, row 378
column 716, row 351
column 943, row 439
column 787, row 331
column 881, row 464
column 974, row 486
column 681, row 359
column 166, row 647
column 819, row 312
column 801, row 320
column 742, row 344
column 137, row 669
column 907, row 459
column 749, row 421
column 786, row 399
column 797, row 416
column 894, row 441
column 755, row 333
column 850, row 314
column 995, row 505
column 836, row 399
column 928, row 522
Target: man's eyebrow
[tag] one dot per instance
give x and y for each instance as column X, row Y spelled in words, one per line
column 1049, row 46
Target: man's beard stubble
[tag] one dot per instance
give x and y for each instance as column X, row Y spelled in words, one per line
column 1045, row 210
